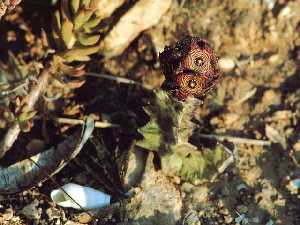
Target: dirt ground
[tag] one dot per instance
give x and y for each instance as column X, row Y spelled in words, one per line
column 258, row 45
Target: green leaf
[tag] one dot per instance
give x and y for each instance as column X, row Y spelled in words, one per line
column 168, row 133
column 79, row 53
column 152, row 136
column 192, row 164
column 26, row 115
column 24, row 126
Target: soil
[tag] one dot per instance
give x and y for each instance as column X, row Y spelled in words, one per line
column 258, row 45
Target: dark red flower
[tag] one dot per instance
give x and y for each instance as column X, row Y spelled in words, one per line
column 190, row 68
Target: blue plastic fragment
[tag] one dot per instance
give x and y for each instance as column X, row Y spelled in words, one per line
column 295, row 183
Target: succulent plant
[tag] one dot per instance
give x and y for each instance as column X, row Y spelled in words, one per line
column 168, row 133
column 75, row 29
column 77, row 25
column 191, row 69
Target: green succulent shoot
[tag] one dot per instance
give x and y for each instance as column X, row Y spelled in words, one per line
column 168, row 133
column 74, row 29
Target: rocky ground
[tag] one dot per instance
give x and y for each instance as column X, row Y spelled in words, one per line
column 258, row 45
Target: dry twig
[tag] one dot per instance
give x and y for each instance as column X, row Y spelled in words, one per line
column 237, row 140
column 98, row 124
column 118, row 79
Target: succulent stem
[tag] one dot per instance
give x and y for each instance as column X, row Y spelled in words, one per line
column 168, row 133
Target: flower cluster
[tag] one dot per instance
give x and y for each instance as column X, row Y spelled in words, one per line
column 190, row 67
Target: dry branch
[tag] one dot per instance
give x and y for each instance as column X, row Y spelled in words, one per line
column 98, row 124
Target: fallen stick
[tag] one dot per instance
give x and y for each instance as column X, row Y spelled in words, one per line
column 237, row 140
column 98, row 124
column 118, row 79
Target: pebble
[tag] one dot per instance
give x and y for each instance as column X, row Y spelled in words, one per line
column 271, row 97
column 31, row 211
column 286, row 12
column 70, row 222
column 53, row 213
column 296, row 146
column 84, row 218
column 226, row 64
column 228, row 219
column 274, row 59
column 230, row 118
column 187, row 187
column 201, row 194
column 7, row 214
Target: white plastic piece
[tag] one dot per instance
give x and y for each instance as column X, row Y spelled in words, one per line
column 84, row 197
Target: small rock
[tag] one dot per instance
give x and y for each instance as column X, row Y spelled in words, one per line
column 226, row 64
column 296, row 146
column 274, row 59
column 84, row 218
column 7, row 214
column 31, row 211
column 228, row 219
column 230, row 118
column 70, row 222
column 271, row 96
column 286, row 12
column 187, row 187
column 215, row 121
column 53, row 213
column 282, row 115
column 251, row 177
column 275, row 136
column 201, row 194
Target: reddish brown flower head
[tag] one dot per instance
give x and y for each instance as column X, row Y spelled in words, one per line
column 190, row 68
